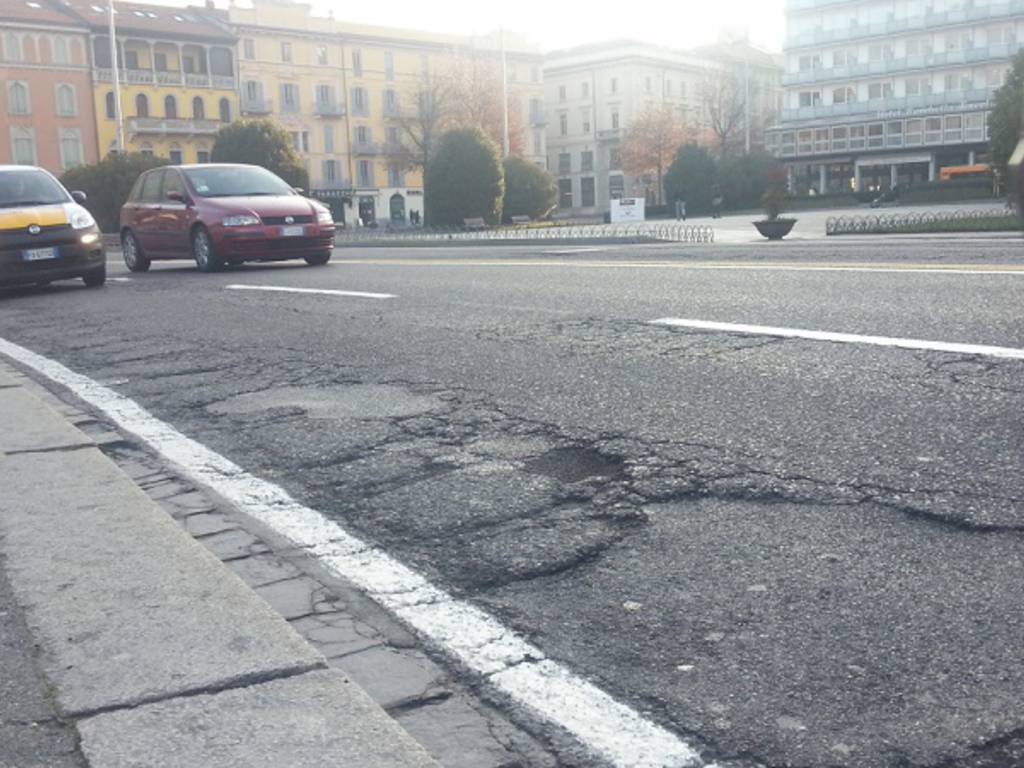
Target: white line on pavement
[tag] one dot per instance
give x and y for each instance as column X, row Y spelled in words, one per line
column 324, row 291
column 570, row 251
column 847, row 338
column 472, row 637
column 119, row 279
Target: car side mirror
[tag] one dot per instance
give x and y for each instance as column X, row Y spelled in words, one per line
column 79, row 197
column 299, row 190
column 176, row 197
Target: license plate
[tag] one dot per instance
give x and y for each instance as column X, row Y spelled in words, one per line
column 293, row 231
column 39, row 254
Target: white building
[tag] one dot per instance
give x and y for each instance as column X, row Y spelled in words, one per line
column 886, row 93
column 594, row 92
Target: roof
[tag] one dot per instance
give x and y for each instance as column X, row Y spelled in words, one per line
column 160, row 21
column 741, row 51
column 36, row 12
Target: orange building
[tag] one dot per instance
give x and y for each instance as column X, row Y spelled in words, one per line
column 46, row 91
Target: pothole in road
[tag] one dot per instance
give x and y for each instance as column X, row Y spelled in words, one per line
column 571, row 465
column 350, row 401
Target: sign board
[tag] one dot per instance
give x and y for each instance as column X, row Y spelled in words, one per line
column 627, row 209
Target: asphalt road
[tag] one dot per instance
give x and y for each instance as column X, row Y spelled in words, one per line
column 790, row 552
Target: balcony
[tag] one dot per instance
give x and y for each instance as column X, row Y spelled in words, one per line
column 165, row 77
column 977, row 98
column 609, row 134
column 329, row 109
column 257, row 106
column 176, row 126
column 393, row 148
column 367, row 148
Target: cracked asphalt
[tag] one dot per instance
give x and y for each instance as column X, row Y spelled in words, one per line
column 792, row 553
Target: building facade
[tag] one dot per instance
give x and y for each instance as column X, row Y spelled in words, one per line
column 879, row 94
column 342, row 91
column 46, row 112
column 177, row 74
column 593, row 94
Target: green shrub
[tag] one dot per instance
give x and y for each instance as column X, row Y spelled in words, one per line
column 529, row 190
column 108, row 183
column 464, row 179
column 264, row 143
column 1004, row 122
column 691, row 178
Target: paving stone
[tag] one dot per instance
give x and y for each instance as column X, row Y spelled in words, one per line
column 208, row 523
column 231, row 544
column 188, row 503
column 293, row 598
column 263, row 569
column 337, row 634
column 392, row 677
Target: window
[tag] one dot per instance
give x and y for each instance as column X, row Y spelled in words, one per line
column 844, row 95
column 12, row 47
column 839, row 138
column 918, row 86
column 585, row 90
column 203, row 156
column 70, row 147
column 565, row 193
column 131, row 59
column 959, row 81
column 561, row 93
column 918, row 46
column 249, row 48
column 365, row 173
column 108, row 102
column 563, row 124
column 360, row 104
column 894, row 133
column 198, row 108
column 357, row 63
column 253, row 91
column 839, row 58
column 564, row 162
column 805, row 142
column 60, row 51
column 587, row 192
column 538, row 143
column 615, row 121
column 175, row 156
column 615, row 158
column 66, row 104
column 953, row 129
column 974, row 127
column 224, row 110
column 390, row 102
column 305, row 141
column 150, row 191
column 23, row 145
column 330, row 171
column 389, row 65
column 362, row 135
column 160, row 62
column 810, row 63
column 395, row 176
column 912, row 136
column 810, row 98
column 328, row 138
column 321, row 55
column 17, row 99
column 141, row 105
column 616, row 187
column 586, row 160
column 879, row 91
column 170, row 107
column 289, row 97
column 877, row 53
column 172, row 180
column 876, row 135
column 392, row 136
column 613, row 85
column 995, row 77
column 286, row 51
column 821, row 140
column 585, row 122
column 324, row 95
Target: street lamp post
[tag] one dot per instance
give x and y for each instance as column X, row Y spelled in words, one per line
column 116, row 77
column 504, row 97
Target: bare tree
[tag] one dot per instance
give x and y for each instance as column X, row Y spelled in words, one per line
column 422, row 122
column 651, row 142
column 724, row 99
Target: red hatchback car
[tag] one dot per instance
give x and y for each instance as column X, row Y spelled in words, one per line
column 221, row 214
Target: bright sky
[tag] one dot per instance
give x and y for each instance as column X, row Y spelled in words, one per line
column 553, row 25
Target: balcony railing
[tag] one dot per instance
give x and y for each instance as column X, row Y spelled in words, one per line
column 259, row 106
column 367, row 148
column 609, row 134
column 165, row 77
column 329, row 109
column 974, row 98
column 163, row 126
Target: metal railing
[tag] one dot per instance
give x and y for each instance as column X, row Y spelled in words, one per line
column 979, row 220
column 641, row 232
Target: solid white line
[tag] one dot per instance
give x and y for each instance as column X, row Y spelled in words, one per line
column 466, row 633
column 324, row 291
column 847, row 338
column 910, row 270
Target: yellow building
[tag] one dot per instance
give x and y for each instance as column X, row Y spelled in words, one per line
column 345, row 93
column 177, row 74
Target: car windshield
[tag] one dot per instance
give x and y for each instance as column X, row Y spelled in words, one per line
column 30, row 187
column 236, row 182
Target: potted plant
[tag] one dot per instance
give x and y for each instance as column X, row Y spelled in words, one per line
column 773, row 199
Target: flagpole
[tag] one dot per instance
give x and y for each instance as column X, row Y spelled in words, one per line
column 115, row 72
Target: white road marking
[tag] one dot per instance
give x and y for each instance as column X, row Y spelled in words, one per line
column 466, row 633
column 847, row 338
column 569, row 251
column 119, row 279
column 323, row 291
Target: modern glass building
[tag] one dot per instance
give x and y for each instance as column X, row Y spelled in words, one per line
column 885, row 93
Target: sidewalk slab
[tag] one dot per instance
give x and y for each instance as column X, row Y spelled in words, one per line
column 21, row 429
column 307, row 721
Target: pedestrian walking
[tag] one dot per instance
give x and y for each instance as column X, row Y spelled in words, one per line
column 716, row 206
column 680, row 210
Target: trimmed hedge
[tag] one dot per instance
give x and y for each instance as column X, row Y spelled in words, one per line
column 108, row 183
column 465, row 179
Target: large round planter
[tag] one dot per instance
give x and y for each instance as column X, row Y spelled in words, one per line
column 775, row 229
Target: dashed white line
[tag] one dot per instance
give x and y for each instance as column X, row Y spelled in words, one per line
column 846, row 338
column 323, row 291
column 472, row 637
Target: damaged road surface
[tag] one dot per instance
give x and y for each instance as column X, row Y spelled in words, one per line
column 782, row 551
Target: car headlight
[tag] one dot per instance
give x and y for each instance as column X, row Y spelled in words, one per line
column 323, row 216
column 243, row 220
column 82, row 219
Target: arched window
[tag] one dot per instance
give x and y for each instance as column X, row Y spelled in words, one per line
column 111, row 111
column 225, row 111
column 60, row 51
column 198, row 108
column 147, row 149
column 12, row 47
column 17, row 99
column 141, row 106
column 66, row 106
column 170, row 107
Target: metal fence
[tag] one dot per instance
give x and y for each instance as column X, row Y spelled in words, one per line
column 646, row 232
column 983, row 219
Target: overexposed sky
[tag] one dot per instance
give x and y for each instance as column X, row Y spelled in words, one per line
column 553, row 25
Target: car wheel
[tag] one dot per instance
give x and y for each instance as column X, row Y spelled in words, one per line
column 96, row 277
column 203, row 251
column 134, row 258
column 319, row 260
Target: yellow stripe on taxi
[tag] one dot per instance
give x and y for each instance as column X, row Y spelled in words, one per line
column 43, row 215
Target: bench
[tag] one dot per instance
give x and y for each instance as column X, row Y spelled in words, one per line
column 474, row 223
column 520, row 220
